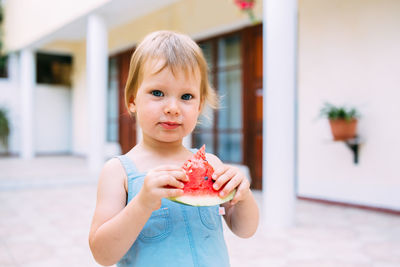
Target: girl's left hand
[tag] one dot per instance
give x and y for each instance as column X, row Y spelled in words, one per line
column 232, row 177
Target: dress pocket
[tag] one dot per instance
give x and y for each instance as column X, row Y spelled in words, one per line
column 157, row 227
column 209, row 217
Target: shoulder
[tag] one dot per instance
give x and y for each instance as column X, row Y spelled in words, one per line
column 113, row 166
column 113, row 173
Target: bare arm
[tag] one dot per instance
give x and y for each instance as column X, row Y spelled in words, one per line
column 243, row 217
column 241, row 213
column 115, row 226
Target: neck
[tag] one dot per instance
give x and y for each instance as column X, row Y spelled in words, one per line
column 162, row 148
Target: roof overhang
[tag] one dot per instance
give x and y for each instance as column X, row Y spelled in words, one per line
column 115, row 13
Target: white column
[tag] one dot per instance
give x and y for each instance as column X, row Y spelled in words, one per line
column 14, row 71
column 27, row 81
column 97, row 60
column 13, row 67
column 279, row 131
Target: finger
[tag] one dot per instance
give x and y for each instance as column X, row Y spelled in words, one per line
column 172, row 193
column 240, row 193
column 164, row 181
column 232, row 184
column 170, row 180
column 219, row 171
column 223, row 179
column 180, row 175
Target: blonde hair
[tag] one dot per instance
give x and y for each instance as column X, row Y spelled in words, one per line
column 179, row 52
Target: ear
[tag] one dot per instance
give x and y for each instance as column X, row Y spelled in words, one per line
column 132, row 105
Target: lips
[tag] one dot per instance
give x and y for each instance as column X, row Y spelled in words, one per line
column 169, row 125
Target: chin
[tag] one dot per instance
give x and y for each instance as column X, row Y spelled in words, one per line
column 169, row 139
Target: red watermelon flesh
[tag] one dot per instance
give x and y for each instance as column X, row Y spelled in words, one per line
column 199, row 191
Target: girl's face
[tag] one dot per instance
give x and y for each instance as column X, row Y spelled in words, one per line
column 167, row 105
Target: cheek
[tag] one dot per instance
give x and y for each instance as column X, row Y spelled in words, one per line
column 146, row 106
column 147, row 116
column 193, row 114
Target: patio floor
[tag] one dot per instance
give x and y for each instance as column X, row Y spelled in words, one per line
column 46, row 206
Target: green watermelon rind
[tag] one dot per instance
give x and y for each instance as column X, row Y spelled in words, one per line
column 199, row 201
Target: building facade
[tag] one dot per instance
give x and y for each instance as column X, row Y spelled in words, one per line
column 346, row 53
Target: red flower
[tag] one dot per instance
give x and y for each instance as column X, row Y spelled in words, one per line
column 245, row 4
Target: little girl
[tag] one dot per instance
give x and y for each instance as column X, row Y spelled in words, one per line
column 133, row 223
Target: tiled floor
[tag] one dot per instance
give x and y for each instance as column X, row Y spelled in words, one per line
column 46, row 207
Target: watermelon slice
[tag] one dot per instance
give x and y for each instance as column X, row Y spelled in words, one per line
column 199, row 191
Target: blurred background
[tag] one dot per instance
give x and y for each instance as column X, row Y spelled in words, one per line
column 63, row 70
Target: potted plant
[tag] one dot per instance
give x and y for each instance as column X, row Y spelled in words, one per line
column 4, row 128
column 343, row 121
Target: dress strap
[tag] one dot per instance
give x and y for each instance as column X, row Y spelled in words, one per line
column 129, row 166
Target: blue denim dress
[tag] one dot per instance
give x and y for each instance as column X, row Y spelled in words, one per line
column 175, row 235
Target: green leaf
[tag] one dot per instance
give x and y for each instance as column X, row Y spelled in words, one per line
column 333, row 112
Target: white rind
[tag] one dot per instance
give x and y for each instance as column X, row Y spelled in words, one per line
column 203, row 200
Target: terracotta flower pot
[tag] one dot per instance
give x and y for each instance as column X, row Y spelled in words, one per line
column 343, row 129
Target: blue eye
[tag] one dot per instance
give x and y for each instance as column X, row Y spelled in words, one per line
column 187, row 97
column 157, row 93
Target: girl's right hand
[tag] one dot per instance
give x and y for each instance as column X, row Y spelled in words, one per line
column 161, row 182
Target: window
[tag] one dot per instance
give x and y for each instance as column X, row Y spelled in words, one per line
column 53, row 69
column 222, row 130
column 112, row 101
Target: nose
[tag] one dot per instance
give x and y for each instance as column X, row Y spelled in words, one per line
column 172, row 107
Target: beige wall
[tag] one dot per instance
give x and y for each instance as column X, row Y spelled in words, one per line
column 26, row 21
column 349, row 54
column 198, row 18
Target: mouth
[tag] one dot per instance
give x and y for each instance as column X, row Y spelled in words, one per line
column 170, row 125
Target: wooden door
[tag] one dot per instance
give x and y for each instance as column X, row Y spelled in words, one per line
column 127, row 124
column 253, row 102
